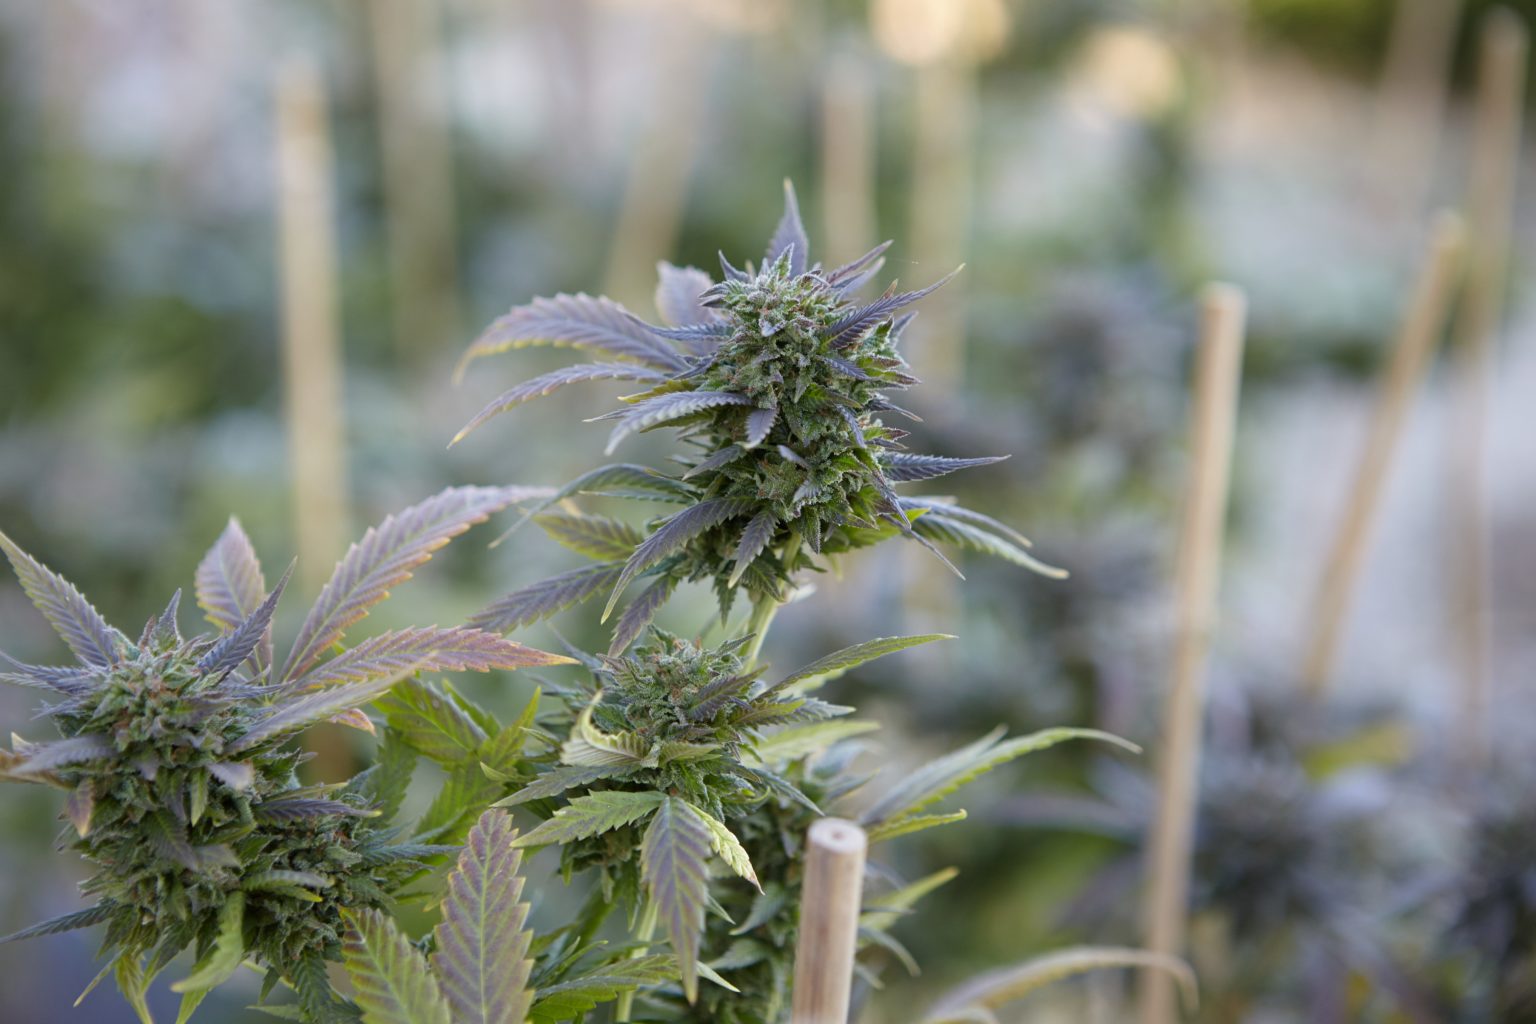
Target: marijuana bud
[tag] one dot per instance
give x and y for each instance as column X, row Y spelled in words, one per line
column 778, row 380
column 181, row 782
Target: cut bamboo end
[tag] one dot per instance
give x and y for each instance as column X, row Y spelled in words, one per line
column 829, row 922
column 1218, row 369
column 1422, row 325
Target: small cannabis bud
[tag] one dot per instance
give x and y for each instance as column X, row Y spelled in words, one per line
column 777, row 379
column 181, row 782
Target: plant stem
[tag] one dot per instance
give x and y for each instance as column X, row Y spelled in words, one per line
column 764, row 610
column 643, row 932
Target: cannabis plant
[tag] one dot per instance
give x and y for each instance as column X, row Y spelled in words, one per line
column 687, row 779
column 777, row 378
column 177, row 760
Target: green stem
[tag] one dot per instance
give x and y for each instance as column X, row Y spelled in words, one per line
column 765, row 609
column 644, row 932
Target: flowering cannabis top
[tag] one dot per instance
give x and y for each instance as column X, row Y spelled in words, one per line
column 181, row 782
column 777, row 378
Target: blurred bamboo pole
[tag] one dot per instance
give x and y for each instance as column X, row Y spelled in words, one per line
column 847, row 159
column 311, row 343
column 1410, row 102
column 417, row 153
column 1218, row 371
column 830, row 902
column 943, row 166
column 1503, row 44
column 651, row 213
column 1423, row 322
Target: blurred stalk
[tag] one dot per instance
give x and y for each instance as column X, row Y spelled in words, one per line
column 847, row 158
column 943, row 168
column 651, row 211
column 1490, row 212
column 417, row 155
column 1424, row 320
column 1218, row 372
column 1410, row 103
column 311, row 343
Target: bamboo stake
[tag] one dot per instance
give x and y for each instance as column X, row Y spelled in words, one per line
column 944, row 130
column 1422, row 324
column 1490, row 211
column 847, row 160
column 829, row 921
column 1410, row 101
column 651, row 212
column 1217, row 378
column 311, row 344
column 418, row 176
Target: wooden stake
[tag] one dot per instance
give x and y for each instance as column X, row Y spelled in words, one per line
column 1218, row 372
column 651, row 213
column 829, row 921
column 1490, row 212
column 311, row 343
column 418, row 176
column 1410, row 102
column 847, row 160
column 944, row 130
column 1422, row 324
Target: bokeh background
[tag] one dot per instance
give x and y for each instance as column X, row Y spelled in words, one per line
column 1093, row 163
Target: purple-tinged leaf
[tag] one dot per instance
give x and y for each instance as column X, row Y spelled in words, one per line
column 653, row 412
column 230, row 586
column 673, row 534
column 639, row 613
column 46, row 757
column 679, row 291
column 853, row 327
column 840, row 277
column 63, row 923
column 854, row 426
column 597, row 537
column 307, row 808
column 553, row 381
column 905, row 467
column 674, row 867
column 753, row 540
column 482, row 942
column 384, row 559
column 574, row 321
column 241, row 642
column 730, row 272
column 424, row 649
column 81, row 626
column 838, row 662
column 724, row 457
column 392, row 981
column 789, row 236
column 759, row 423
column 68, row 679
column 845, row 368
column 703, row 337
column 949, row 510
column 545, row 598
column 164, row 631
column 302, row 712
column 934, row 525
